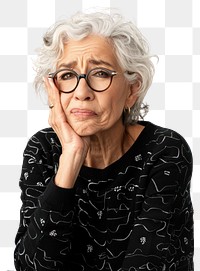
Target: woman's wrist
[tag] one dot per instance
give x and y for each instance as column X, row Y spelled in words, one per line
column 68, row 170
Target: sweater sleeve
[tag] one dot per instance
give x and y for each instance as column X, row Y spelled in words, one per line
column 162, row 236
column 43, row 237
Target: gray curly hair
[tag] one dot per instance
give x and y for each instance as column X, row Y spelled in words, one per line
column 130, row 46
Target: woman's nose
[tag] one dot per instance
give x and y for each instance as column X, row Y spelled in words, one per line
column 83, row 92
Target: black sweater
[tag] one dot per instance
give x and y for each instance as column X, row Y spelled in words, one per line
column 136, row 214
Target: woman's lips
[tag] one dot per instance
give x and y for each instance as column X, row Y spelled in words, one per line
column 82, row 112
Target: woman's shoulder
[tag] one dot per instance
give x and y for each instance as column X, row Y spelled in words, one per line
column 161, row 134
column 45, row 134
column 44, row 139
column 166, row 141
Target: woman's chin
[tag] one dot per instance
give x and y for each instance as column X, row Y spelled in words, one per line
column 86, row 128
column 83, row 130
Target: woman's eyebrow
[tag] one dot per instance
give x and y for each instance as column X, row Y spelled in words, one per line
column 100, row 62
column 69, row 65
column 73, row 64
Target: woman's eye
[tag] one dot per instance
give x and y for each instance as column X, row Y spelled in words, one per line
column 66, row 76
column 101, row 73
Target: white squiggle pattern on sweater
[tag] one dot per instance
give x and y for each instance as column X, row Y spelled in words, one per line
column 134, row 215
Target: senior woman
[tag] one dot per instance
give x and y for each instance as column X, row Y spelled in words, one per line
column 102, row 189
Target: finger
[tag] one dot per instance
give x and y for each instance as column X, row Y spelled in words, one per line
column 52, row 92
column 52, row 98
column 57, row 118
column 56, row 114
column 48, row 90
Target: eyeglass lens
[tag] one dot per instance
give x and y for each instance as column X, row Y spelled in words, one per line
column 97, row 79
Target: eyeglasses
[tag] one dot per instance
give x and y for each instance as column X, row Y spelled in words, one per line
column 67, row 80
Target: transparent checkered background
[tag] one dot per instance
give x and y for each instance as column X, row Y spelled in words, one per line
column 173, row 30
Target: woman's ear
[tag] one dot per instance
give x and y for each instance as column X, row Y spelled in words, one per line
column 133, row 93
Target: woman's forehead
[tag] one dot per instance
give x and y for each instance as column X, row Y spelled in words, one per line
column 90, row 44
column 93, row 49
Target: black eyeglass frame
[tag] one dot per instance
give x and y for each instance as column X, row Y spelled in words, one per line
column 83, row 75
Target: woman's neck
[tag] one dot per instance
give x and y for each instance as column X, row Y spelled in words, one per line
column 108, row 146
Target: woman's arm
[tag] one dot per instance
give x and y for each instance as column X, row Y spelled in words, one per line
column 43, row 238
column 162, row 236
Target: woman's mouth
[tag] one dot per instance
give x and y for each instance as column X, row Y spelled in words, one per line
column 83, row 112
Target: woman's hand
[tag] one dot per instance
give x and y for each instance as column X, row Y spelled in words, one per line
column 74, row 147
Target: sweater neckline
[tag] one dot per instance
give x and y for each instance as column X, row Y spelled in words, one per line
column 134, row 150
